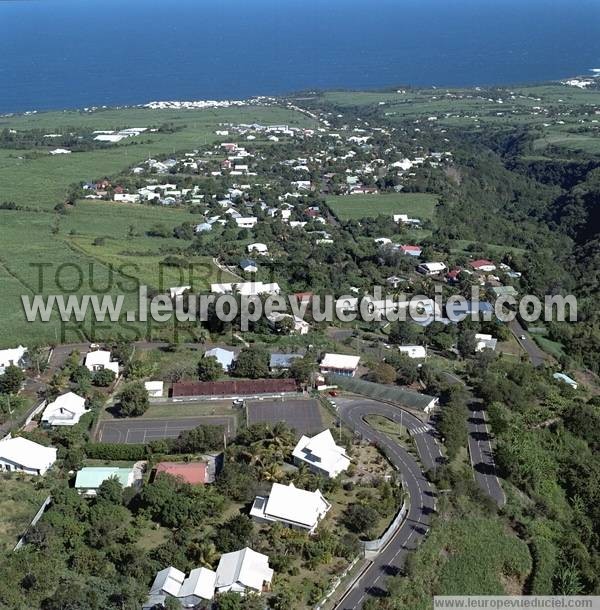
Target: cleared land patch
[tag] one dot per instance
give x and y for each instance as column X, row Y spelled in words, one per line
column 416, row 205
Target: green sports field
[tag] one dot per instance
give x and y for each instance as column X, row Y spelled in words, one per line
column 416, row 205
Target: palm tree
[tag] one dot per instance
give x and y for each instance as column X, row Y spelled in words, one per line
column 271, row 473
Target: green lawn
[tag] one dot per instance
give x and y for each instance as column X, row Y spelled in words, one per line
column 416, row 205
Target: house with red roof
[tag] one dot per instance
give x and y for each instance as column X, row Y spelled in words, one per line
column 483, row 265
column 452, row 276
column 194, row 473
column 411, row 250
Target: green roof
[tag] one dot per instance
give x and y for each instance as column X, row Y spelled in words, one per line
column 92, row 477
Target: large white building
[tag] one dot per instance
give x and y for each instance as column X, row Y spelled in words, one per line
column 321, row 454
column 19, row 454
column 66, row 410
column 340, row 364
column 246, row 288
column 243, row 571
column 297, row 508
column 413, row 351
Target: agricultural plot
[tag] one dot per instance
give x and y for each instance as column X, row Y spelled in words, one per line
column 416, row 205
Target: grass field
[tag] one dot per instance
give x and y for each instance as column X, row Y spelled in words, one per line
column 416, row 205
column 19, row 501
column 64, row 243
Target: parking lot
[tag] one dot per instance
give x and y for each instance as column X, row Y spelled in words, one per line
column 302, row 415
column 132, row 431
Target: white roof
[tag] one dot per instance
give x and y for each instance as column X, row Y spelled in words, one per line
column 168, row 580
column 243, row 569
column 433, row 266
column 224, row 357
column 154, row 386
column 66, row 408
column 288, row 503
column 258, row 247
column 413, row 351
column 12, row 356
column 246, row 288
column 340, row 361
column 101, row 358
column 177, row 291
column 26, row 453
column 322, row 452
column 200, row 582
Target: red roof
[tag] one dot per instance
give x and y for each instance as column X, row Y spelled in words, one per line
column 410, row 248
column 482, row 262
column 194, row 473
column 234, row 387
column 452, row 275
column 303, row 296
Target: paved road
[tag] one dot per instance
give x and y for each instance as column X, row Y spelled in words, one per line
column 482, row 455
column 422, row 494
column 536, row 355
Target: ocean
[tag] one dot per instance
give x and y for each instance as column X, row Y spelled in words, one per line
column 58, row 54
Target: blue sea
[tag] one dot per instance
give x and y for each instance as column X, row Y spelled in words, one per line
column 76, row 53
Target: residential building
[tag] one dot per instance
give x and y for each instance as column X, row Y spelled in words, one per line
column 178, row 291
column 247, row 265
column 225, row 357
column 66, row 410
column 413, row 351
column 89, row 479
column 246, row 288
column 248, row 222
column 14, row 356
column 298, row 326
column 196, row 591
column 394, row 281
column 339, row 364
column 411, row 250
column 258, row 248
column 243, row 571
column 485, row 342
column 296, row 508
column 483, row 265
column 18, row 454
column 431, row 268
column 155, row 389
column 99, row 360
column 321, row 454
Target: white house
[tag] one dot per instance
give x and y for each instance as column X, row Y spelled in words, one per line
column 22, row 455
column 340, row 364
column 296, row 508
column 224, row 357
column 432, row 268
column 485, row 342
column 247, row 265
column 195, row 591
column 154, row 388
column 14, row 356
column 243, row 571
column 66, row 410
column 298, row 326
column 321, row 454
column 405, row 220
column 99, row 360
column 247, row 222
column 258, row 248
column 413, row 351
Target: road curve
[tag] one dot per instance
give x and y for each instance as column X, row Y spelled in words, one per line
column 352, row 412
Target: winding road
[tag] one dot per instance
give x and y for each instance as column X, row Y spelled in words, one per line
column 389, row 561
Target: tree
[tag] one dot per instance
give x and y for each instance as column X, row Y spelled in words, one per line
column 209, row 369
column 302, row 369
column 110, row 490
column 402, row 333
column 103, row 378
column 466, row 343
column 235, row 533
column 253, row 363
column 11, row 381
column 360, row 518
column 133, row 400
column 407, row 371
column 383, row 373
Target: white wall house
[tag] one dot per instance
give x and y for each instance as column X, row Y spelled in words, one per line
column 258, row 248
column 154, row 388
column 321, row 454
column 296, row 508
column 66, row 410
column 22, row 455
column 246, row 288
column 432, row 268
column 100, row 359
column 14, row 356
column 196, row 591
column 243, row 571
column 340, row 364
column 247, row 222
column 413, row 351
